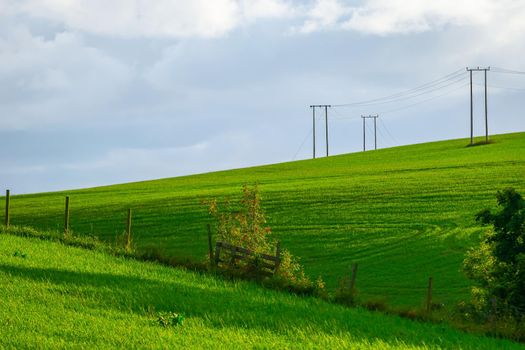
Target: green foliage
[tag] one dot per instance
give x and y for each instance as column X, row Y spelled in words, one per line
column 170, row 319
column 498, row 264
column 20, row 254
column 242, row 225
column 405, row 213
column 66, row 297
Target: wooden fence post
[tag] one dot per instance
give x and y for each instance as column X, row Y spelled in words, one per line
column 7, row 195
column 278, row 255
column 210, row 247
column 218, row 253
column 128, row 231
column 66, row 217
column 353, row 278
column 429, row 295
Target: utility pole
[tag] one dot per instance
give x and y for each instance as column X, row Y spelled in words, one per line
column 313, row 119
column 364, row 117
column 326, row 124
column 364, row 134
column 375, row 133
column 470, row 70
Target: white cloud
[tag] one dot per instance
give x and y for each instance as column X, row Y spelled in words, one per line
column 324, row 14
column 53, row 80
column 388, row 17
column 211, row 19
column 405, row 16
column 256, row 9
column 144, row 18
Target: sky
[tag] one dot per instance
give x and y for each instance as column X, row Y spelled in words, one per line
column 101, row 92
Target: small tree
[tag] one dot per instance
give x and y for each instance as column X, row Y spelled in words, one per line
column 498, row 264
column 244, row 224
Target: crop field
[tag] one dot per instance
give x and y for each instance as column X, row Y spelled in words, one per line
column 55, row 296
column 404, row 214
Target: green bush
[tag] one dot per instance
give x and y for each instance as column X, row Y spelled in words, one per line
column 497, row 265
column 243, row 224
column 170, row 319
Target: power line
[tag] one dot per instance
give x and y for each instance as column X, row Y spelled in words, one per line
column 302, row 144
column 411, row 96
column 409, row 105
column 430, row 85
column 425, row 100
column 507, row 71
column 501, row 87
column 383, row 122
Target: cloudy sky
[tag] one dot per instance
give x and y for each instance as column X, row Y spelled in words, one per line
column 100, row 92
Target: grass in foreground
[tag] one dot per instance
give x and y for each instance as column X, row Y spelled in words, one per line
column 54, row 296
column 403, row 214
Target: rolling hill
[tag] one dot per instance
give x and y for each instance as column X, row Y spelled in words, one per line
column 403, row 213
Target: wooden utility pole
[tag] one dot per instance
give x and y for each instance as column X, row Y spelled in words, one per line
column 326, row 125
column 486, row 110
column 364, row 117
column 313, row 119
column 470, row 70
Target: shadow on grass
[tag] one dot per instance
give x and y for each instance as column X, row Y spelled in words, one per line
column 481, row 143
column 237, row 306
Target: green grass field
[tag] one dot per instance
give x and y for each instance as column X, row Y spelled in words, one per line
column 64, row 297
column 403, row 214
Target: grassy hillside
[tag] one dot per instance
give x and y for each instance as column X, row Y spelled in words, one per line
column 403, row 214
column 56, row 296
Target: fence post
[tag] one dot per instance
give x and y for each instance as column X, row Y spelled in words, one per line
column 7, row 195
column 218, row 253
column 66, row 217
column 354, row 276
column 278, row 255
column 429, row 295
column 128, row 231
column 210, row 247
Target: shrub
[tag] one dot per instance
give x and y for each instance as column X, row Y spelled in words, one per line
column 498, row 263
column 243, row 224
column 170, row 319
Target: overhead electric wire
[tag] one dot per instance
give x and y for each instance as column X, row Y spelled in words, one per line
column 381, row 121
column 506, row 71
column 411, row 104
column 431, row 86
column 408, row 97
column 501, row 87
column 302, row 144
column 423, row 101
column 383, row 136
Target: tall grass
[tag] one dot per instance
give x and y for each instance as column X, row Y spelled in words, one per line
column 57, row 296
